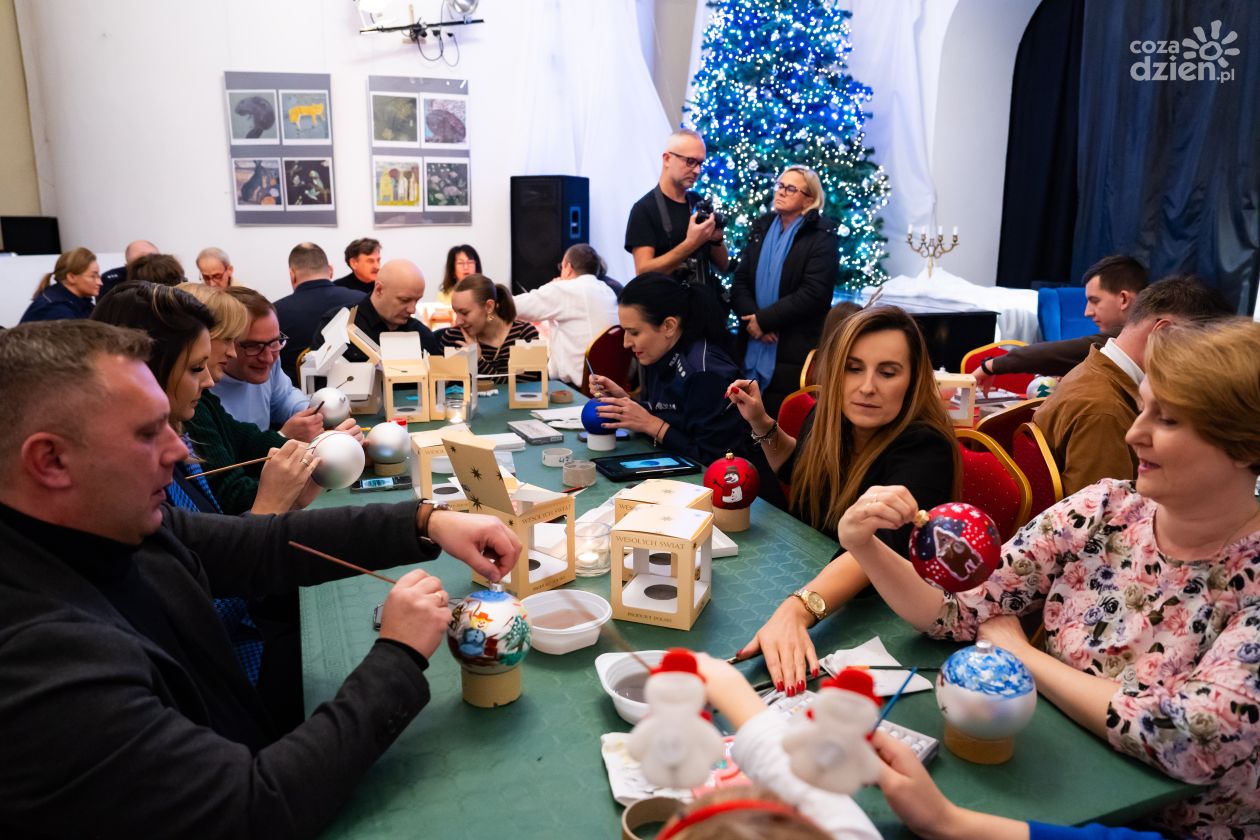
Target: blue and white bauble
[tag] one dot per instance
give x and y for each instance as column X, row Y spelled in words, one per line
column 985, row 691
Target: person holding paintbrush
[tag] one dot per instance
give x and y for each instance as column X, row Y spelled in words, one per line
column 121, row 709
column 181, row 329
column 222, row 440
column 878, row 421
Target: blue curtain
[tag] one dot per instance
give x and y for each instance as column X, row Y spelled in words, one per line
column 1169, row 171
column 1166, row 171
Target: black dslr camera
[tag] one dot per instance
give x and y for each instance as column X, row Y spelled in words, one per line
column 704, row 209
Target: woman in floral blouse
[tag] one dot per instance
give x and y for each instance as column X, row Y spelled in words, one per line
column 1148, row 589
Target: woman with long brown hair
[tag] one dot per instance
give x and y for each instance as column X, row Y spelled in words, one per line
column 69, row 290
column 879, row 421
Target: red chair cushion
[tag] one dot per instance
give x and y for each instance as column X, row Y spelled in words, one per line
column 609, row 357
column 793, row 411
column 1027, row 456
column 987, row 485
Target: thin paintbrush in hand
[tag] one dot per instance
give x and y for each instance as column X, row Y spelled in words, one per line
column 233, row 466
column 341, row 562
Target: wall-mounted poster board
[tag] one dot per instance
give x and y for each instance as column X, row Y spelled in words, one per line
column 418, row 133
column 280, row 148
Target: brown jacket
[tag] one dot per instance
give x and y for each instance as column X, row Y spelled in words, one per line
column 1085, row 421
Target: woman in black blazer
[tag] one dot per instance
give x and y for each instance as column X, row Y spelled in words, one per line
column 783, row 286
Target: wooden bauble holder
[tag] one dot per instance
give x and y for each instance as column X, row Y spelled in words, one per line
column 732, row 521
column 978, row 750
column 485, row 691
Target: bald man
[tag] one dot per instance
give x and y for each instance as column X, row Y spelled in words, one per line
column 135, row 250
column 399, row 287
column 662, row 233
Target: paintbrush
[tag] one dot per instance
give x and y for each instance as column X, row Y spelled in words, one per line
column 888, row 706
column 610, row 631
column 232, row 466
column 341, row 562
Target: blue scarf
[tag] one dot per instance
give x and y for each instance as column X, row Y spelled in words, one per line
column 760, row 356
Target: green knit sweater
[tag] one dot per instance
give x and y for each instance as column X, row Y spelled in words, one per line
column 219, row 440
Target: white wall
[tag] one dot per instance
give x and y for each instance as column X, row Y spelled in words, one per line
column 126, row 102
column 973, row 106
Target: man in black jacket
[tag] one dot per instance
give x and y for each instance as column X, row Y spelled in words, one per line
column 783, row 285
column 1111, row 288
column 122, row 709
column 313, row 295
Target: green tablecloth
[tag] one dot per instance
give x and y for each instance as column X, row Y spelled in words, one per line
column 533, row 769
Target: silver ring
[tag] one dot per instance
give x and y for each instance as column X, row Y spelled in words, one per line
column 306, row 462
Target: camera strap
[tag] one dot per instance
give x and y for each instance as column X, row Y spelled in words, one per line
column 663, row 210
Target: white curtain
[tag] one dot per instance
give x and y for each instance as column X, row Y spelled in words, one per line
column 584, row 100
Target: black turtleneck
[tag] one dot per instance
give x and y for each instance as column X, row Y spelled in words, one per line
column 110, row 566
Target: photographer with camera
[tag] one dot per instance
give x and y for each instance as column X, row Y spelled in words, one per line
column 783, row 285
column 674, row 231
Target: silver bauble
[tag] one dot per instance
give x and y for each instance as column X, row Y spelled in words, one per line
column 341, row 459
column 334, row 405
column 388, row 443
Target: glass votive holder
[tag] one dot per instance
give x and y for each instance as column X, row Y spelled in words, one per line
column 590, row 547
column 454, row 410
column 578, row 473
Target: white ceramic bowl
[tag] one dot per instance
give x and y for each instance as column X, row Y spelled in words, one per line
column 562, row 640
column 615, row 667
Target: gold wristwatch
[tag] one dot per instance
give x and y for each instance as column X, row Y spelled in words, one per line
column 813, row 602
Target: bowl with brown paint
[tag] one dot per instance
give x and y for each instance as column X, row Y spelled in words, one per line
column 564, row 620
column 624, row 679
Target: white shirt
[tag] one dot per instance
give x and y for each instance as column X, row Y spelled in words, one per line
column 579, row 310
column 1112, row 351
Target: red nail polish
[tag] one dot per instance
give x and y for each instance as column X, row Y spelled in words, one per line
column 778, row 685
column 814, row 672
column 800, row 688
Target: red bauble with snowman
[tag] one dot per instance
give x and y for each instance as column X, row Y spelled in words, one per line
column 955, row 546
column 734, row 483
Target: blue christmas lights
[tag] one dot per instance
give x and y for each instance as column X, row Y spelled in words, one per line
column 772, row 90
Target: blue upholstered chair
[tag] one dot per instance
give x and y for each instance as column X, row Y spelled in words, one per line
column 1061, row 313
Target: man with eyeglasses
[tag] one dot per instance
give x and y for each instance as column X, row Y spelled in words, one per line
column 662, row 233
column 256, row 389
column 215, row 267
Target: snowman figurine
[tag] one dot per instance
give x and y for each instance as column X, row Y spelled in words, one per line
column 675, row 743
column 828, row 746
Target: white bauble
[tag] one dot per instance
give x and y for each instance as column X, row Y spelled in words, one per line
column 334, row 405
column 340, row 459
column 388, row 443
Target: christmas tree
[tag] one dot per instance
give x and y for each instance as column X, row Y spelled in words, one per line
column 772, row 90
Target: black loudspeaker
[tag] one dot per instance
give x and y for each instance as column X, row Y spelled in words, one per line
column 29, row 235
column 549, row 213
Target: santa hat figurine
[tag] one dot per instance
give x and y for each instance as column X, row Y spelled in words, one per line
column 675, row 743
column 828, row 747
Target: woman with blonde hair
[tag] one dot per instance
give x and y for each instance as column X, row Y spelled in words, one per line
column 221, row 440
column 1149, row 590
column 68, row 291
column 783, row 286
column 879, row 421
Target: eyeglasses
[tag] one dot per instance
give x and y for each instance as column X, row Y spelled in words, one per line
column 692, row 163
column 213, row 278
column 465, row 263
column 255, row 348
column 789, row 189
